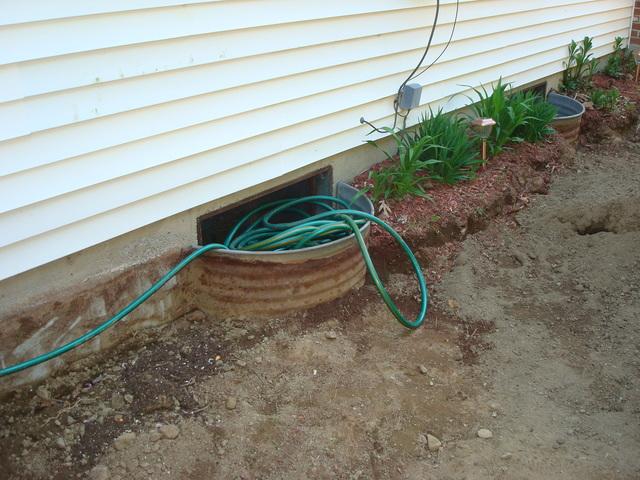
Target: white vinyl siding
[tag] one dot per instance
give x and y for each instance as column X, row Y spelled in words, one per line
column 117, row 114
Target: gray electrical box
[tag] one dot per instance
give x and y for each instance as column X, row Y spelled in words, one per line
column 409, row 97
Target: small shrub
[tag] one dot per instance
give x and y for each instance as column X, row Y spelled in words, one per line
column 621, row 61
column 614, row 67
column 605, row 99
column 454, row 152
column 406, row 175
column 541, row 114
column 580, row 66
column 509, row 113
column 629, row 61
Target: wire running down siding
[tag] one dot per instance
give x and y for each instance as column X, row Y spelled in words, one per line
column 117, row 114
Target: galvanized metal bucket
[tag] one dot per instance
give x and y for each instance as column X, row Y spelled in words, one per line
column 236, row 284
column 569, row 116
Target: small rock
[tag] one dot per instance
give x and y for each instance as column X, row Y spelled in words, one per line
column 258, row 360
column 520, row 258
column 132, row 465
column 231, row 403
column 241, row 363
column 195, row 316
column 124, row 440
column 506, row 456
column 331, row 335
column 579, row 287
column 60, row 443
column 117, row 402
column 433, row 443
column 43, row 393
column 118, row 418
column 99, row 472
column 423, row 369
column 169, row 431
column 485, row 433
column 128, row 397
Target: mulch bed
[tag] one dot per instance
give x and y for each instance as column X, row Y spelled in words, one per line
column 435, row 226
column 453, row 211
column 600, row 126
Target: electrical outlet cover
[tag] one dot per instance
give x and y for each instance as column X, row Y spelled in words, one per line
column 410, row 96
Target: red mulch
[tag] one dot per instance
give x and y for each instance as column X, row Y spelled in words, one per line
column 435, row 226
column 599, row 126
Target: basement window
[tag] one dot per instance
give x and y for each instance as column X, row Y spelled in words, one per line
column 213, row 227
column 539, row 88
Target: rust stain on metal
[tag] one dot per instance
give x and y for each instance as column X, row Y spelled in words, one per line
column 248, row 285
column 569, row 128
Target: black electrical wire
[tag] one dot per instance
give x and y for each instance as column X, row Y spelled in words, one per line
column 396, row 106
column 453, row 31
column 413, row 75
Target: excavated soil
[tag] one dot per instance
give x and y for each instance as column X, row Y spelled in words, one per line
column 533, row 335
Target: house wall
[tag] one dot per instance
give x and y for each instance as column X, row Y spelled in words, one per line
column 137, row 114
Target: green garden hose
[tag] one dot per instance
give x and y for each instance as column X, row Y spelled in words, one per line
column 264, row 233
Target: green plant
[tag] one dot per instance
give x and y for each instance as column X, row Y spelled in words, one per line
column 605, row 99
column 614, row 67
column 580, row 66
column 538, row 122
column 621, row 61
column 629, row 61
column 509, row 113
column 454, row 152
column 405, row 176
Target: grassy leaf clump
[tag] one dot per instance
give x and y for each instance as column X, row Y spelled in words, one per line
column 520, row 116
column 454, row 152
column 538, row 122
column 580, row 66
column 605, row 99
column 406, row 175
column 621, row 61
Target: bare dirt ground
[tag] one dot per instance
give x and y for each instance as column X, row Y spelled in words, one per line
column 533, row 335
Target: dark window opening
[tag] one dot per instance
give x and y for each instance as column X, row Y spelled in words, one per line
column 213, row 227
column 539, row 88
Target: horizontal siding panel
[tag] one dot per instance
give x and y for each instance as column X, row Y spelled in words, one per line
column 104, row 65
column 53, row 145
column 213, row 132
column 102, row 99
column 122, row 136
column 39, row 10
column 125, row 28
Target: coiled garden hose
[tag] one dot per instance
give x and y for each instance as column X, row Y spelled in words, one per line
column 264, row 233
